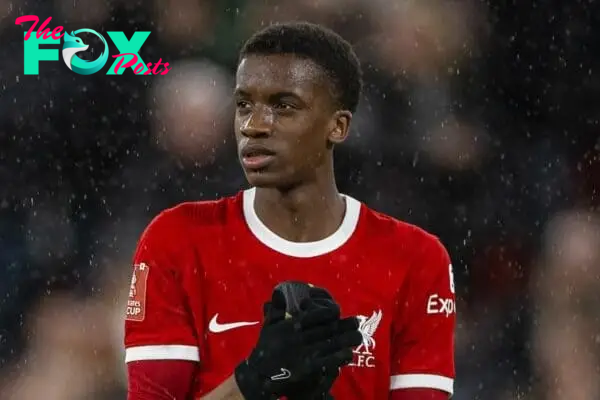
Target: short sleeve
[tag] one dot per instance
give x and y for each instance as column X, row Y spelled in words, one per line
column 158, row 323
column 424, row 327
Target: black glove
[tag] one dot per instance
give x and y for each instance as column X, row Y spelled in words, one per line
column 318, row 387
column 291, row 351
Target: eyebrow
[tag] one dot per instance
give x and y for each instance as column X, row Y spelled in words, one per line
column 275, row 96
column 241, row 93
column 283, row 94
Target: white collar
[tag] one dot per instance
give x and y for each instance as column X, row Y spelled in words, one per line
column 301, row 249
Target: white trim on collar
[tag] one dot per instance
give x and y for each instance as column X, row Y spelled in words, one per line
column 301, row 249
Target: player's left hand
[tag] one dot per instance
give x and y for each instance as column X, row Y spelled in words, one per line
column 302, row 298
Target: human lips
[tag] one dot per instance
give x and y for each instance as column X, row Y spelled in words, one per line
column 256, row 156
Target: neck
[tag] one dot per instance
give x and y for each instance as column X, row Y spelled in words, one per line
column 307, row 213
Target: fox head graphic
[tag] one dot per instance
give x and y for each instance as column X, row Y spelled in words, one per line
column 73, row 45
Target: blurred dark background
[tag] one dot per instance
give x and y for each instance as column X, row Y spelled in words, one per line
column 479, row 122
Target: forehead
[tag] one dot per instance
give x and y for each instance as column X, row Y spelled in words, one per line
column 279, row 73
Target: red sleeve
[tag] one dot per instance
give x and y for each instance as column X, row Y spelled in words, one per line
column 159, row 324
column 423, row 330
column 160, row 380
column 418, row 394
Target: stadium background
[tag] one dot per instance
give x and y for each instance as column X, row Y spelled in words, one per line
column 479, row 122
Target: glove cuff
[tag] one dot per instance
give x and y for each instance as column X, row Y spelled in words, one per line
column 250, row 384
column 320, row 396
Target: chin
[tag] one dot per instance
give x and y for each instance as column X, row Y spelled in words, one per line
column 266, row 179
column 261, row 179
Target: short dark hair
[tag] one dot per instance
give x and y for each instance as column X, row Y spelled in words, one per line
column 319, row 44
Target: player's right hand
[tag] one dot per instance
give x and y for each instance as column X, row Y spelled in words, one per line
column 291, row 351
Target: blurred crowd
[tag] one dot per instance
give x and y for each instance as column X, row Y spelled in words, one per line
column 479, row 122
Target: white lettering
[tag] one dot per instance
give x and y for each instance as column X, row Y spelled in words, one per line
column 363, row 360
column 451, row 272
column 438, row 305
column 133, row 311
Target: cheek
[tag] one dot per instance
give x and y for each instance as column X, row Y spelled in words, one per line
column 237, row 123
column 304, row 137
column 310, row 147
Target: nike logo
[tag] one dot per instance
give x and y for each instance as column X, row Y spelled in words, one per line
column 215, row 327
column 285, row 374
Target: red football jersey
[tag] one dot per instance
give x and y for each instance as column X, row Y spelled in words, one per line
column 203, row 271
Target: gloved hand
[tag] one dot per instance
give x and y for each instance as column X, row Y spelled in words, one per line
column 319, row 386
column 291, row 351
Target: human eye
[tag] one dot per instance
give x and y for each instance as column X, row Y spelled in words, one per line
column 285, row 107
column 242, row 105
